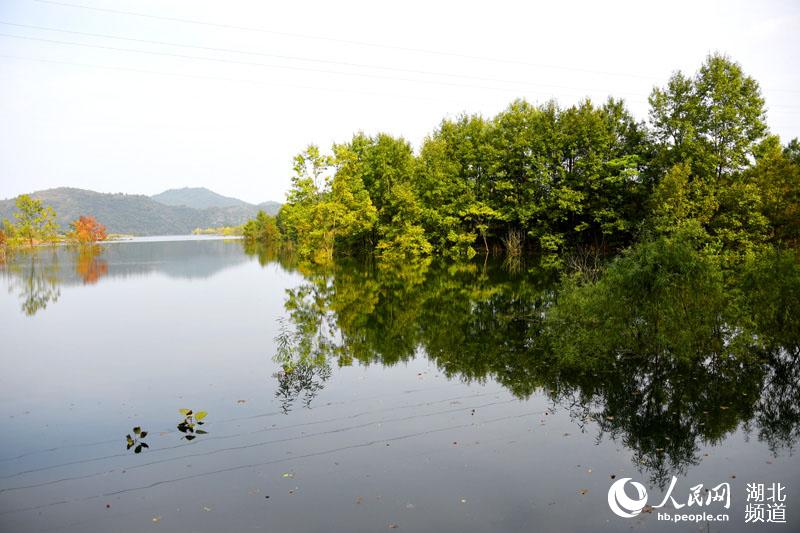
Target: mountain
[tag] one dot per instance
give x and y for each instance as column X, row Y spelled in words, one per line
column 134, row 214
column 197, row 197
column 270, row 208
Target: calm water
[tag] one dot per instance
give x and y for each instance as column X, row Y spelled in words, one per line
column 354, row 399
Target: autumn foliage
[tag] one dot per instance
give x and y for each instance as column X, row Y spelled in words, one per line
column 89, row 266
column 88, row 230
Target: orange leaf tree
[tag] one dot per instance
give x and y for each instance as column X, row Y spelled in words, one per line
column 88, row 230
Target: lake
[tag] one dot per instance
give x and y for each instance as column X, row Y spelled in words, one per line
column 364, row 398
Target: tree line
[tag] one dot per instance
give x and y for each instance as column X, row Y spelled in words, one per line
column 553, row 180
column 35, row 224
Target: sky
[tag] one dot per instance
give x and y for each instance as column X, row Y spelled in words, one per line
column 139, row 96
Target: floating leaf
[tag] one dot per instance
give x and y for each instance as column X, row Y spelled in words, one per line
column 200, row 415
column 189, row 437
column 138, row 449
column 144, row 445
column 137, row 430
column 185, row 412
column 143, row 434
column 201, row 432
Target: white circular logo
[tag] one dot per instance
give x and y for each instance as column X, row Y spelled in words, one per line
column 621, row 504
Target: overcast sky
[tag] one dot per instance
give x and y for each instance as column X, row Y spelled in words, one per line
column 164, row 94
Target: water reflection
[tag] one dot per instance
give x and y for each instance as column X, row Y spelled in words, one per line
column 304, row 359
column 37, row 276
column 34, row 280
column 89, row 265
column 661, row 367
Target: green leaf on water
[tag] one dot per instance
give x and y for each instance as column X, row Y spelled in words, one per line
column 200, row 415
column 138, row 449
column 143, row 434
column 137, row 430
column 185, row 412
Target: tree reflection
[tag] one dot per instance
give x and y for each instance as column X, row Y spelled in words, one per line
column 35, row 280
column 36, row 275
column 89, row 265
column 304, row 359
column 663, row 352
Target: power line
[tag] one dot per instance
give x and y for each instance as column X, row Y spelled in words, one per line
column 342, row 41
column 293, row 58
column 255, row 64
column 298, row 68
column 224, row 79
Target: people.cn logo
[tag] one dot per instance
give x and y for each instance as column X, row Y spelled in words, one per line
column 621, row 504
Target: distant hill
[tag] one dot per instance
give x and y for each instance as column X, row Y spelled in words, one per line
column 135, row 214
column 196, row 197
column 270, row 208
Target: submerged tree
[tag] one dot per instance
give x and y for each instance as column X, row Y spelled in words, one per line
column 34, row 221
column 261, row 230
column 87, row 230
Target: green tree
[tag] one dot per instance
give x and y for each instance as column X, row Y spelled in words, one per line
column 715, row 119
column 708, row 130
column 34, row 221
column 261, row 230
column 776, row 177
